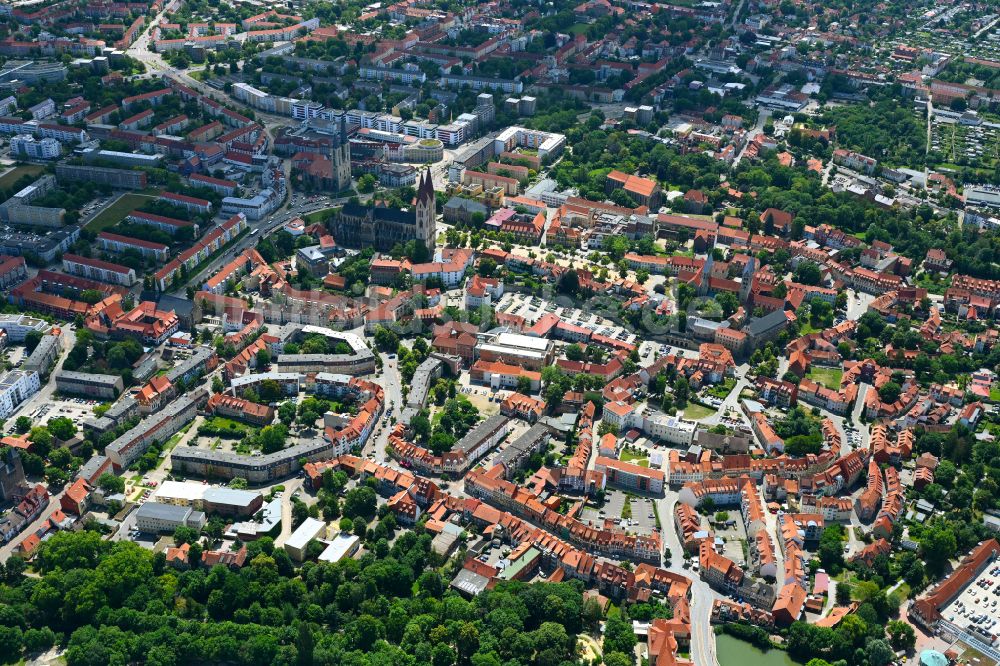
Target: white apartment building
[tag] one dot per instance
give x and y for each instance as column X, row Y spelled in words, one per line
column 16, row 386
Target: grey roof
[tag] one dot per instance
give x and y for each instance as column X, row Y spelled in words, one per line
column 470, row 582
column 91, row 466
column 230, row 496
column 121, row 408
column 425, row 373
column 88, row 377
column 156, row 419
column 235, row 460
column 39, row 360
column 466, row 204
column 483, row 431
column 181, row 306
column 530, row 441
column 761, row 325
column 199, row 356
column 158, row 511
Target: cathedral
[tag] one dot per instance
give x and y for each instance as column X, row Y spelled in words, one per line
column 381, row 227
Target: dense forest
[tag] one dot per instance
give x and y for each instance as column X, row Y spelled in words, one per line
column 116, row 603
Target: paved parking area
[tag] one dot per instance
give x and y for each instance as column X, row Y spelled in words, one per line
column 643, row 520
column 977, row 607
column 76, row 409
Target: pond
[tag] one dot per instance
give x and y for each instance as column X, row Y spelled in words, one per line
column 731, row 651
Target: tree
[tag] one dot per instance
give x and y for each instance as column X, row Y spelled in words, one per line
column 270, row 390
column 878, row 652
column 618, row 635
column 569, row 283
column 41, row 438
column 843, row 594
column 807, row 273
column 574, row 352
column 22, row 424
column 62, row 427
column 111, row 484
column 367, row 183
column 184, row 534
column 360, row 501
column 524, row 385
column 272, row 438
column 286, row 412
column 728, row 302
column 831, row 552
column 889, row 392
column 937, row 546
column 11, row 640
column 901, row 635
column 31, row 340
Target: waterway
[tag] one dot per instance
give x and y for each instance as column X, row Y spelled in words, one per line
column 731, row 651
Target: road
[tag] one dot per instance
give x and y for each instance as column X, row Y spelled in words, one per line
column 292, row 486
column 702, row 596
column 762, row 116
column 736, row 15
column 391, row 383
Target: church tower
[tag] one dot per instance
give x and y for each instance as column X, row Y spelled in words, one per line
column 746, row 280
column 341, row 158
column 426, row 212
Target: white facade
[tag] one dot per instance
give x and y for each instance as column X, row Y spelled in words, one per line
column 18, row 326
column 669, row 428
column 16, row 386
column 39, row 149
column 300, row 538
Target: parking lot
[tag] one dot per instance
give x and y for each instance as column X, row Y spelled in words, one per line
column 76, row 409
column 642, row 521
column 977, row 607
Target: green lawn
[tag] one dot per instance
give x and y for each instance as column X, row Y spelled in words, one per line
column 636, row 457
column 695, row 412
column 828, row 377
column 805, row 328
column 117, row 211
column 12, row 176
column 995, row 393
column 722, row 390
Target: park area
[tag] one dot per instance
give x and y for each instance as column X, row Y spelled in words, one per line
column 117, row 211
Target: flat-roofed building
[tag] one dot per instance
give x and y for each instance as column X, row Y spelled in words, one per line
column 516, row 349
column 17, row 326
column 255, row 469
column 341, row 546
column 297, row 543
column 210, row 499
column 106, row 387
column 16, row 386
column 156, row 518
column 44, row 355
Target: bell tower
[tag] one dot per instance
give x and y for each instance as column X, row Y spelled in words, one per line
column 426, row 212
